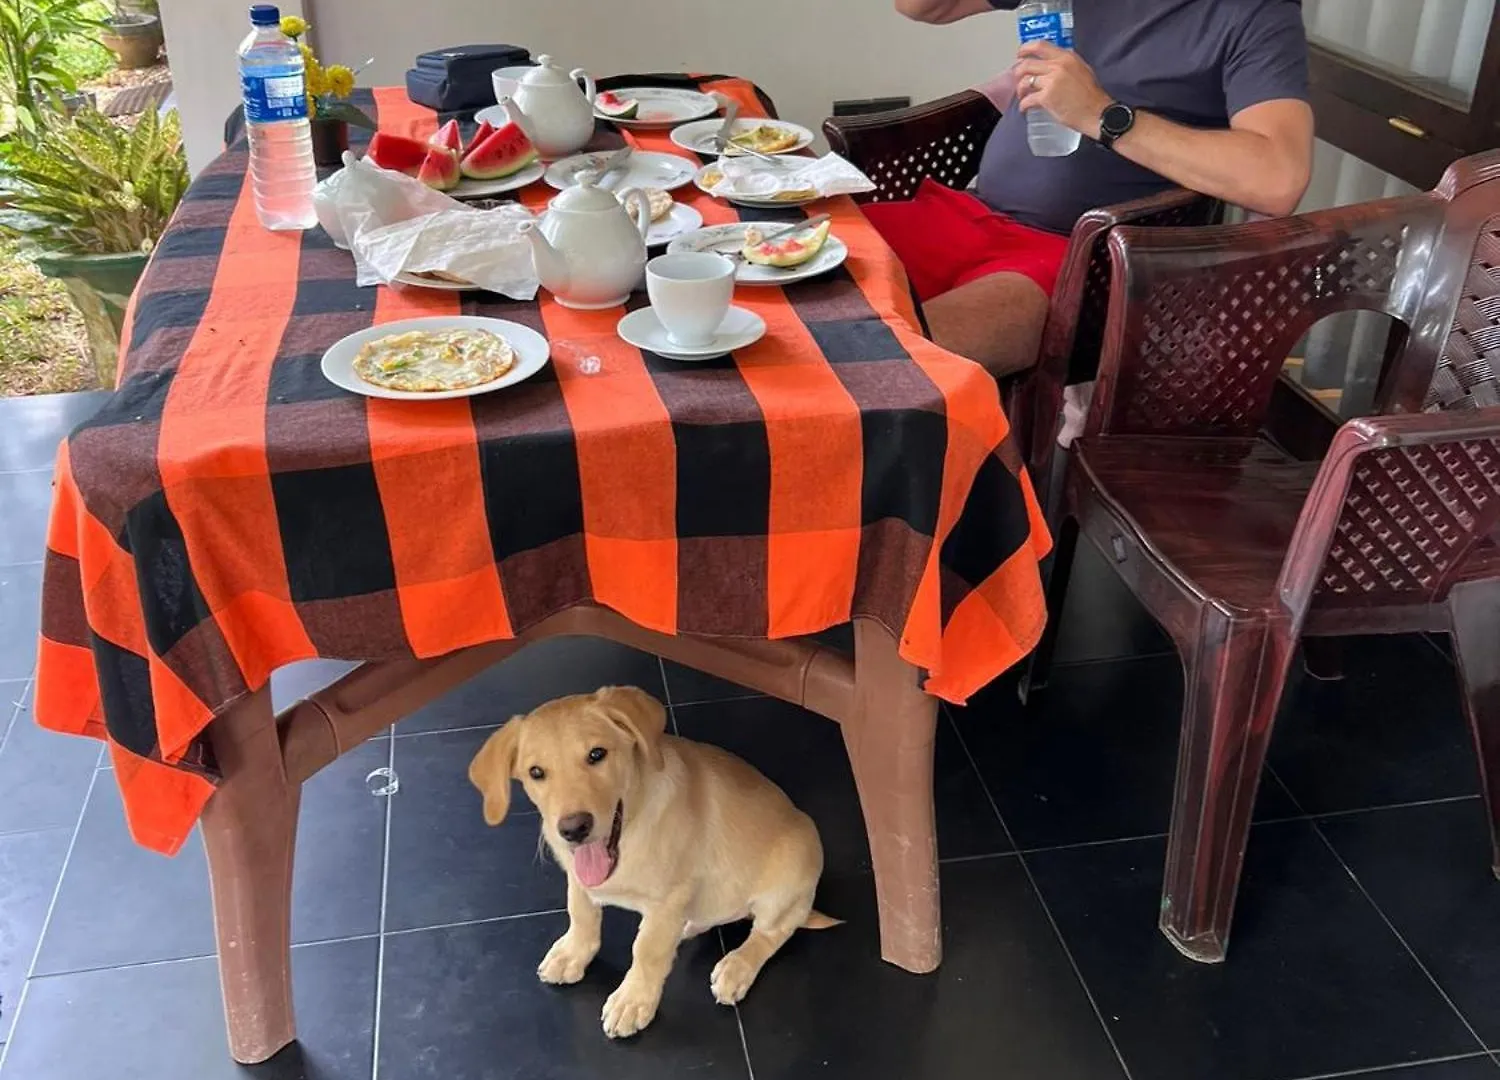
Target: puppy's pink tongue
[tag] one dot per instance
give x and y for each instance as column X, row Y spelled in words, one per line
column 592, row 864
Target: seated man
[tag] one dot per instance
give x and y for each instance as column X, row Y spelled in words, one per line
column 1215, row 96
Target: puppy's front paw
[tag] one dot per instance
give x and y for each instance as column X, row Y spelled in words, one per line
column 629, row 1009
column 731, row 979
column 566, row 961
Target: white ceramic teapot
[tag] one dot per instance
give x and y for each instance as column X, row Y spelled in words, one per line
column 589, row 250
column 556, row 115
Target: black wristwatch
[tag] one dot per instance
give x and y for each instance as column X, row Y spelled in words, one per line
column 1116, row 120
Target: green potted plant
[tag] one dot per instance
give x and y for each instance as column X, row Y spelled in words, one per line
column 132, row 35
column 89, row 199
column 34, row 71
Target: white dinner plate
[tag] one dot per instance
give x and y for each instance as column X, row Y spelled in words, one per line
column 747, row 200
column 532, row 354
column 726, row 239
column 699, row 137
column 415, row 281
column 644, row 168
column 480, row 189
column 739, row 330
column 661, row 107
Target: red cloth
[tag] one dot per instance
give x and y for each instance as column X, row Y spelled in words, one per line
column 948, row 238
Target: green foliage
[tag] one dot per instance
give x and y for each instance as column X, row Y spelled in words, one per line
column 90, row 187
column 34, row 68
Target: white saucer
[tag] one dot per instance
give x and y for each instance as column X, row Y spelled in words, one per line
column 644, row 168
column 739, row 330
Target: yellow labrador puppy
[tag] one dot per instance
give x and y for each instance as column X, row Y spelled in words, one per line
column 689, row 836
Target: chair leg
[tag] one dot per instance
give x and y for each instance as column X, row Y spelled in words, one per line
column 890, row 740
column 1039, row 667
column 249, row 831
column 1233, row 684
column 1474, row 611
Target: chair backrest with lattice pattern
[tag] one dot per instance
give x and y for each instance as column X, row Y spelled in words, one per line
column 943, row 140
column 1415, row 516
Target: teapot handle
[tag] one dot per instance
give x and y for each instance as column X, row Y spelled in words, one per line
column 642, row 215
column 579, row 75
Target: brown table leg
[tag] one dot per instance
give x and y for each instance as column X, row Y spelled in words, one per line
column 250, row 830
column 890, row 739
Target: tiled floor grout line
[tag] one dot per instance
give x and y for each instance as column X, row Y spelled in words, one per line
column 36, row 953
column 1037, row 892
column 475, row 922
column 385, row 883
column 1352, row 1073
column 1391, row 926
column 17, row 707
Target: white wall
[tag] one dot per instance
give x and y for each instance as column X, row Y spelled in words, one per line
column 804, row 53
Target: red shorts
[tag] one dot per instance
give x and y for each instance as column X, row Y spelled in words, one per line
column 948, row 238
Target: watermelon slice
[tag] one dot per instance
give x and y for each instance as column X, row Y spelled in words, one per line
column 439, row 169
column 448, row 135
column 484, row 131
column 787, row 252
column 616, row 107
column 397, row 152
column 504, row 151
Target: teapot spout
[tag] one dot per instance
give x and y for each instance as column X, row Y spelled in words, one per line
column 551, row 267
column 518, row 116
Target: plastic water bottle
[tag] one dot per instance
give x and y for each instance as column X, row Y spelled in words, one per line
column 272, row 78
column 1048, row 20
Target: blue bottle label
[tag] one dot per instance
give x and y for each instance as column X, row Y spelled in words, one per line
column 1055, row 26
column 269, row 98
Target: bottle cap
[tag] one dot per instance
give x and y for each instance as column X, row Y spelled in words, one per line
column 265, row 15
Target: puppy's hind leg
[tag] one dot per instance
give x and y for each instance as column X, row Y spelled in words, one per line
column 776, row 917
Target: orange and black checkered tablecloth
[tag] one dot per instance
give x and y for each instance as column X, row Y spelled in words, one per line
column 229, row 511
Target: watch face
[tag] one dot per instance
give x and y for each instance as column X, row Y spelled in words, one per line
column 1117, row 119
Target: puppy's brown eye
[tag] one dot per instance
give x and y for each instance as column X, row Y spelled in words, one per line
column 538, row 773
column 597, row 754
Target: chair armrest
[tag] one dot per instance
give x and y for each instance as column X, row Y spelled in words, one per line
column 941, row 139
column 1398, row 505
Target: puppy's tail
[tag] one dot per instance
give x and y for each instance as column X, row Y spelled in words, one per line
column 818, row 921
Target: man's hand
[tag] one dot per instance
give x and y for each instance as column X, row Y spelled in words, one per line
column 1059, row 81
column 942, row 12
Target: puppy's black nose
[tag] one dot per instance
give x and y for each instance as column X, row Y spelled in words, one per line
column 575, row 828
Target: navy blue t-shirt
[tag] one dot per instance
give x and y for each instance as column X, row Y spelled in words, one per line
column 1197, row 62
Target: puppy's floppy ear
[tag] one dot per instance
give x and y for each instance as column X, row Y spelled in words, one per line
column 492, row 769
column 639, row 715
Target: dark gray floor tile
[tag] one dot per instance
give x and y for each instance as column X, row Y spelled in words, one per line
column 165, row 1022
column 20, row 618
column 33, row 426
column 549, row 669
column 1102, row 620
column 1315, row 982
column 1428, row 869
column 464, row 1003
column 27, row 498
column 122, row 904
column 30, row 864
column 44, row 776
column 1004, row 1003
column 1480, row 1067
column 1093, row 757
column 1391, row 731
column 804, row 755
column 446, row 865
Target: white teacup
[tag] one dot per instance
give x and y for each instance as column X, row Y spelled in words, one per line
column 690, row 292
column 507, row 80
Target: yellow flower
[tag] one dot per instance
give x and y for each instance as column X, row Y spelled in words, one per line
column 293, row 26
column 340, row 81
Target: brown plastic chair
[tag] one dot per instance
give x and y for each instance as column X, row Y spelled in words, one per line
column 945, row 140
column 1239, row 549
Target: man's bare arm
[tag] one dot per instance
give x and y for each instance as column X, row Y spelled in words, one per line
column 942, row 12
column 1263, row 162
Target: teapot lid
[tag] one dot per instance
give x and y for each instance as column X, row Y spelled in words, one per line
column 586, row 195
column 547, row 73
